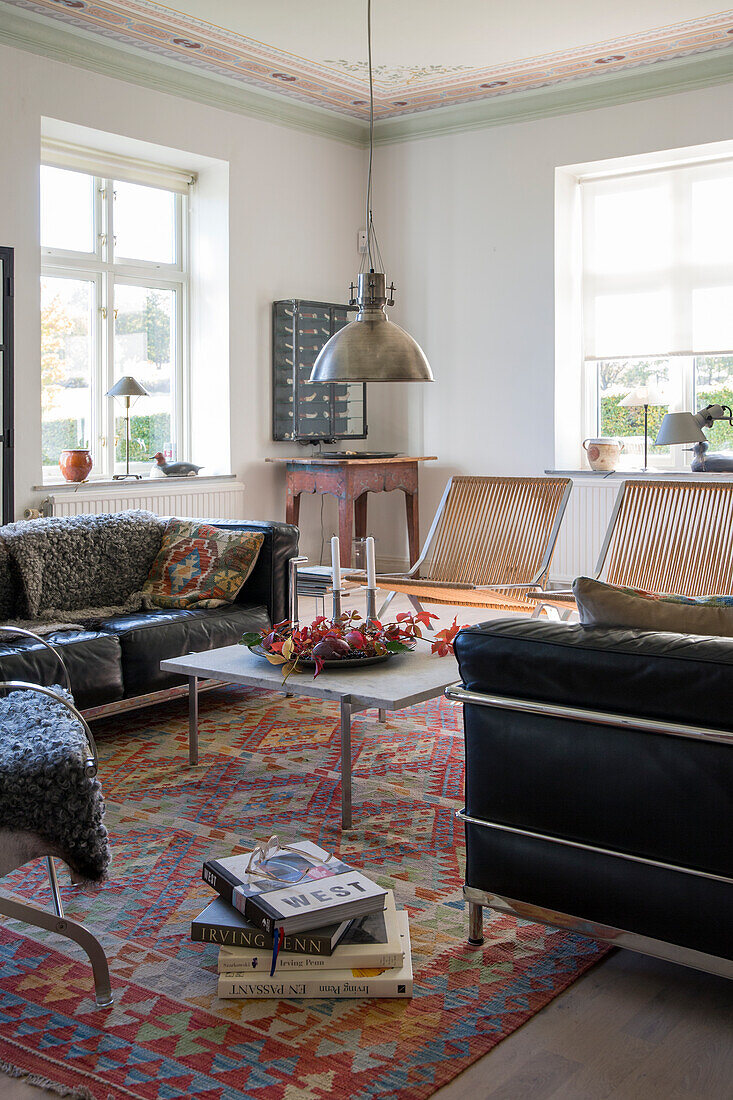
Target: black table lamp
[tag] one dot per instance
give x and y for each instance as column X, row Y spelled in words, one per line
column 127, row 388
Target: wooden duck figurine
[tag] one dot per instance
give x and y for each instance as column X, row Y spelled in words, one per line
column 176, row 469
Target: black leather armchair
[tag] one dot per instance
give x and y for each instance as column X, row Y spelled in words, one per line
column 599, row 784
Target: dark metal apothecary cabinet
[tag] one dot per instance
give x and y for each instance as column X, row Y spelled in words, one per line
column 311, row 411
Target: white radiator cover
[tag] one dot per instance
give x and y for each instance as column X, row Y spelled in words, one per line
column 186, row 499
column 583, row 527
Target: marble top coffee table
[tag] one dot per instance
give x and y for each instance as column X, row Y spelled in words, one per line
column 405, row 679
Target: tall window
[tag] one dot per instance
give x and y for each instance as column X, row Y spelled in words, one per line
column 114, row 301
column 658, row 299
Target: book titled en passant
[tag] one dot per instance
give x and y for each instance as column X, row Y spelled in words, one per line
column 362, row 982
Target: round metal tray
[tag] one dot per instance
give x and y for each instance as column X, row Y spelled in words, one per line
column 349, row 662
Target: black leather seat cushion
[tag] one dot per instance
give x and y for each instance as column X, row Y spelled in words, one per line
column 93, row 658
column 673, row 677
column 149, row 637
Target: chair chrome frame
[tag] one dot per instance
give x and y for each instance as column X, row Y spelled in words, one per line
column 457, row 694
column 17, row 852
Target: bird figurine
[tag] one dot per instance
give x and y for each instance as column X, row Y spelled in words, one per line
column 176, row 469
column 709, row 463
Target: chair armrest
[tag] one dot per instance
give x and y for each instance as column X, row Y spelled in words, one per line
column 514, row 584
column 545, row 595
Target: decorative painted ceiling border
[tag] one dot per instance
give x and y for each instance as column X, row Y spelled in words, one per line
column 86, row 51
column 157, row 29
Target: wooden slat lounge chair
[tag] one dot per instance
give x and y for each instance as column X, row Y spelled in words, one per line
column 664, row 536
column 490, row 543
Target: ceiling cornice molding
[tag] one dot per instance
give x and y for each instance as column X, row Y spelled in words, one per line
column 86, row 52
column 662, row 78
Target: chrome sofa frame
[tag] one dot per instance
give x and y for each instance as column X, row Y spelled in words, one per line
column 457, row 694
column 18, row 848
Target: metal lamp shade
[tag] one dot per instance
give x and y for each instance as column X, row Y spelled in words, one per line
column 127, row 386
column 679, row 428
column 372, row 351
column 371, row 348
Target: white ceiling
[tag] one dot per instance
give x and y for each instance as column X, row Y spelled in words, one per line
column 427, row 53
column 409, row 34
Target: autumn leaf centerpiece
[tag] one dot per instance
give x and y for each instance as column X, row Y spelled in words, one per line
column 348, row 639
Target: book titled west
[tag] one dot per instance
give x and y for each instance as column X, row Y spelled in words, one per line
column 312, row 888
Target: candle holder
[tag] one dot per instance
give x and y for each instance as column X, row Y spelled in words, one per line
column 371, row 604
column 293, row 589
column 336, row 605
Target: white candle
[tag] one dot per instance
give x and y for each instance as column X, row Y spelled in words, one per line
column 370, row 563
column 336, row 563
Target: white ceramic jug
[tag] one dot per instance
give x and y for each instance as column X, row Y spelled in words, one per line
column 603, row 453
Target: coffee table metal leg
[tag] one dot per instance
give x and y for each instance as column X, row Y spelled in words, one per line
column 382, row 715
column 193, row 720
column 345, row 764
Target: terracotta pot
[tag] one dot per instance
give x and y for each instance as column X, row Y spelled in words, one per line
column 75, row 465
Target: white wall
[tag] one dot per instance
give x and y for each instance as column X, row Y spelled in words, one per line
column 295, row 208
column 468, row 223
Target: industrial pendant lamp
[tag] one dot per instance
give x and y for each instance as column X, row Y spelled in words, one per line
column 371, row 348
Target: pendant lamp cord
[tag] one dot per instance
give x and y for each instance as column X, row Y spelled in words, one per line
column 371, row 138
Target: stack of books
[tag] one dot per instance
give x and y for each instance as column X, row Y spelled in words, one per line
column 317, row 580
column 331, row 933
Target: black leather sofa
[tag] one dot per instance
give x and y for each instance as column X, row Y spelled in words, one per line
column 119, row 660
column 599, row 784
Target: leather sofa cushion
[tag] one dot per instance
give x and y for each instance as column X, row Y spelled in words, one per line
column 673, row 677
column 94, row 661
column 149, row 637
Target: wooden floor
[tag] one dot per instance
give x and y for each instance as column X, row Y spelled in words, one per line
column 632, row 1028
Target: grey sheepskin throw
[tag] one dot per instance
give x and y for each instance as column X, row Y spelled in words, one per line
column 84, row 567
column 44, row 787
column 8, row 583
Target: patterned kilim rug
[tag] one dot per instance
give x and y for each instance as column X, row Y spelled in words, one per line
column 269, row 765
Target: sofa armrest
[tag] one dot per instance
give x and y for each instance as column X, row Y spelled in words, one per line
column 268, row 583
column 671, row 677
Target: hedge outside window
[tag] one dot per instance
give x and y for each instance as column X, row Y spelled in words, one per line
column 114, row 293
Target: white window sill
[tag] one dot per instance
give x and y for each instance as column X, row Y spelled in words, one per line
column 660, row 475
column 99, row 483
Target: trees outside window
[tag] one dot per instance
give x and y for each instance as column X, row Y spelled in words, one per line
column 114, row 301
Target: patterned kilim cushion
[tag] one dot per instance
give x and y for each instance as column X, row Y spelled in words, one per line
column 609, row 605
column 200, row 565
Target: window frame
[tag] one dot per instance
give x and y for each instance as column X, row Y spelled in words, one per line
column 105, row 270
column 682, row 389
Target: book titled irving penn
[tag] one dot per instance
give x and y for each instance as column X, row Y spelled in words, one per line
column 372, row 941
column 316, row 893
column 223, row 925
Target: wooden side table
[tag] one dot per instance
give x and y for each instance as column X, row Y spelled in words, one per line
column 349, row 480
